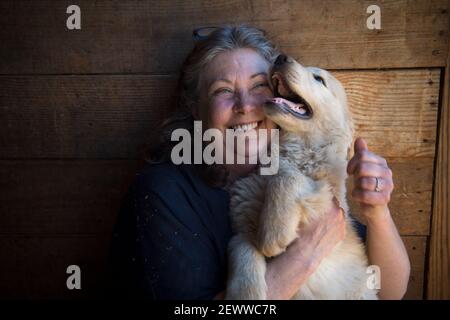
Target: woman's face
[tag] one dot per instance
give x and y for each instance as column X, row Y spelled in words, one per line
column 233, row 89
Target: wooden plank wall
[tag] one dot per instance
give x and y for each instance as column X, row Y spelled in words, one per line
column 439, row 255
column 77, row 108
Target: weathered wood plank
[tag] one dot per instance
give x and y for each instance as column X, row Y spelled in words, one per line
column 35, row 267
column 81, row 116
column 395, row 111
column 439, row 255
column 114, row 116
column 410, row 204
column 83, row 196
column 62, row 197
column 141, row 36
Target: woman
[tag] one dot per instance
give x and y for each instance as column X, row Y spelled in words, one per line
column 171, row 236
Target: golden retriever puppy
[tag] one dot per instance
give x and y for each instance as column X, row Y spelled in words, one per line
column 310, row 107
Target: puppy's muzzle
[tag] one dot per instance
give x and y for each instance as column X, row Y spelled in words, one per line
column 286, row 100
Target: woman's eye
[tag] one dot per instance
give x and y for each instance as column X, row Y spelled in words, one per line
column 262, row 84
column 319, row 79
column 223, row 90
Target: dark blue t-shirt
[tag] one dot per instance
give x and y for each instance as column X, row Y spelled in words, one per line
column 170, row 240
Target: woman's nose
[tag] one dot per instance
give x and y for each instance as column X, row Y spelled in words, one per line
column 244, row 104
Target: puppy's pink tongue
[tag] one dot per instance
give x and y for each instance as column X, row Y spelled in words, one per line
column 279, row 100
column 294, row 106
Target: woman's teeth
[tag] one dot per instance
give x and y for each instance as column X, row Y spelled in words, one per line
column 245, row 127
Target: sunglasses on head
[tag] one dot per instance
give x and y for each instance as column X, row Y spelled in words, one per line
column 202, row 33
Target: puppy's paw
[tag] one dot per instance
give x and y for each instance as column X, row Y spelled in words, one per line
column 272, row 249
column 273, row 241
column 317, row 203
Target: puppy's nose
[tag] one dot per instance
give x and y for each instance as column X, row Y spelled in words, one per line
column 281, row 59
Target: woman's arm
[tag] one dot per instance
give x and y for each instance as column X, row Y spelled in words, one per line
column 287, row 272
column 385, row 249
column 384, row 246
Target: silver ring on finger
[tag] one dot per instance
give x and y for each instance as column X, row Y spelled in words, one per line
column 377, row 184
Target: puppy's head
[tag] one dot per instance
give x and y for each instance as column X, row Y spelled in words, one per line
column 308, row 101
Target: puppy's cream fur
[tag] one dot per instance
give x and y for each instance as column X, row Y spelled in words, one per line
column 266, row 210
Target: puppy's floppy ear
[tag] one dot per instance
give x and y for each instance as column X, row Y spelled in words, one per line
column 350, row 128
column 341, row 95
column 339, row 92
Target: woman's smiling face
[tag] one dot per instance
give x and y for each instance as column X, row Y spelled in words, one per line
column 233, row 89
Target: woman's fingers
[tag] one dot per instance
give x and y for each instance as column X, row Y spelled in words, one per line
column 331, row 226
column 373, row 198
column 333, row 229
column 369, row 169
column 365, row 157
column 326, row 225
column 372, row 177
column 371, row 183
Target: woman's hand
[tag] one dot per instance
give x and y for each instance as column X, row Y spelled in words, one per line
column 372, row 181
column 317, row 240
column 287, row 272
column 385, row 247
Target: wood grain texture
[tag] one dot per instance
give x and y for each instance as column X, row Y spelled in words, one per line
column 395, row 111
column 83, row 196
column 34, row 267
column 154, row 37
column 81, row 116
column 115, row 116
column 62, row 197
column 439, row 256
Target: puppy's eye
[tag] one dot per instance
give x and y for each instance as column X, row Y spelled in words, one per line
column 319, row 79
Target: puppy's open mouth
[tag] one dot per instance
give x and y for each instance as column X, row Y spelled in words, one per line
column 287, row 100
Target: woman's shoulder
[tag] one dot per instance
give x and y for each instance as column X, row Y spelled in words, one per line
column 170, row 224
column 161, row 178
column 169, row 181
column 171, row 195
